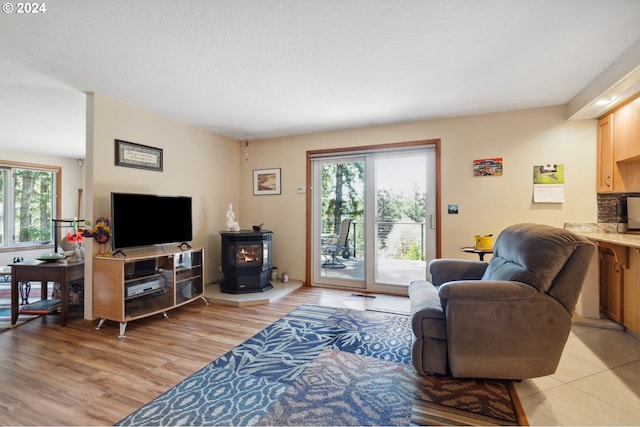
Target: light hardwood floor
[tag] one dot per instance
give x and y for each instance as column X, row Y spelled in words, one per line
column 76, row 375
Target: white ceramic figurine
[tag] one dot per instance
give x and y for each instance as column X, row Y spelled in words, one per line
column 232, row 225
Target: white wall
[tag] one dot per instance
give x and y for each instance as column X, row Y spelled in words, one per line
column 197, row 163
column 487, row 204
column 72, row 180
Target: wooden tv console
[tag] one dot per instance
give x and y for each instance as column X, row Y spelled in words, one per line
column 146, row 282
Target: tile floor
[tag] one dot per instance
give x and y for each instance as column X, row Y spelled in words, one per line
column 597, row 382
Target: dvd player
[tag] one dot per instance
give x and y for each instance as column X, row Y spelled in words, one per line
column 140, row 288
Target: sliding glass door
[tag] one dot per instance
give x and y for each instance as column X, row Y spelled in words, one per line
column 339, row 221
column 404, row 206
column 373, row 218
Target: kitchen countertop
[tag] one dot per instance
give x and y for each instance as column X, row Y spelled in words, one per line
column 600, row 233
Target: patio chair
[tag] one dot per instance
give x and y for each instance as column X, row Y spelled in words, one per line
column 340, row 246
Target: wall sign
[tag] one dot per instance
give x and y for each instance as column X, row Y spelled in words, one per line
column 139, row 156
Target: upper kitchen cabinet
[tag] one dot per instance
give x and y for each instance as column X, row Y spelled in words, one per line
column 619, row 149
column 626, row 132
column 605, row 154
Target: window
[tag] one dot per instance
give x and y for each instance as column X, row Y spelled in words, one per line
column 28, row 203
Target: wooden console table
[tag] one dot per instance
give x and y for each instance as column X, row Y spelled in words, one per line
column 61, row 272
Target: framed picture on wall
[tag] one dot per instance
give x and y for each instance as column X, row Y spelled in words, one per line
column 266, row 182
column 488, row 167
column 132, row 155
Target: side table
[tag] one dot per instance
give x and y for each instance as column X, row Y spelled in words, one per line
column 481, row 252
column 61, row 272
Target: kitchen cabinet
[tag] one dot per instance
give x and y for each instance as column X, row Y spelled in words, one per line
column 619, row 149
column 631, row 292
column 614, row 260
column 605, row 154
column 626, row 132
column 619, row 277
column 620, row 281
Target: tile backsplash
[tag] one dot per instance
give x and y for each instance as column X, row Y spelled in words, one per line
column 607, row 206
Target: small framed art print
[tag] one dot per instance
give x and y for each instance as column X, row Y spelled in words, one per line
column 266, row 182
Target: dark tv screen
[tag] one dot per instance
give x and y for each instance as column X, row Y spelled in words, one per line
column 148, row 219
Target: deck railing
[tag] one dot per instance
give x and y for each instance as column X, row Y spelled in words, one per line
column 408, row 242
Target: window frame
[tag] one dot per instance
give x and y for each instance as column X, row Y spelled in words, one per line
column 9, row 211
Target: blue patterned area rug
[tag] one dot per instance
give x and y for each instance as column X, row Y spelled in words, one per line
column 332, row 367
column 5, row 305
column 5, row 318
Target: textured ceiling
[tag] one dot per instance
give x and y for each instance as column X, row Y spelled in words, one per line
column 264, row 68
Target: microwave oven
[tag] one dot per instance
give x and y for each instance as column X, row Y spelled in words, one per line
column 633, row 212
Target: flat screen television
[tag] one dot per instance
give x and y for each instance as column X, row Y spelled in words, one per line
column 148, row 219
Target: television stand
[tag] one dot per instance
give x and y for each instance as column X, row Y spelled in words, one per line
column 146, row 283
column 119, row 251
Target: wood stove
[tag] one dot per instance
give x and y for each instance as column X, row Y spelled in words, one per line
column 246, row 261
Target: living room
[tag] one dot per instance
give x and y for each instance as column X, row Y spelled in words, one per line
column 523, row 137
column 216, row 170
column 193, row 157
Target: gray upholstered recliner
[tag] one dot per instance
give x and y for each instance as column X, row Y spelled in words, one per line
column 509, row 318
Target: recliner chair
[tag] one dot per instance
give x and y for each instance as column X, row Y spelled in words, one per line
column 506, row 319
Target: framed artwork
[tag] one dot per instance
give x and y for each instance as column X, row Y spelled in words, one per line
column 266, row 182
column 488, row 167
column 139, row 156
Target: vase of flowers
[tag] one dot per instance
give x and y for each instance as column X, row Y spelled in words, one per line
column 101, row 233
column 72, row 242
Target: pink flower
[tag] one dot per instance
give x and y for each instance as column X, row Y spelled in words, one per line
column 74, row 237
